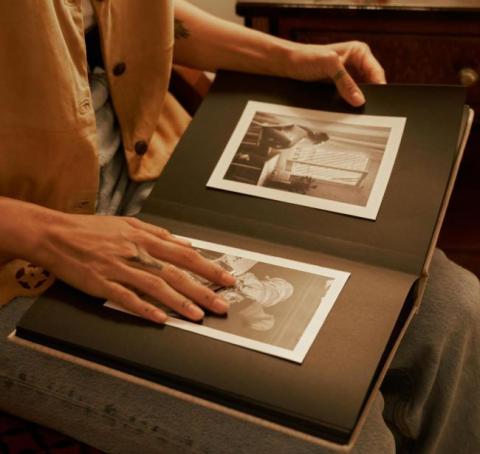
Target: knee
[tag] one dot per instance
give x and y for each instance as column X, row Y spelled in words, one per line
column 452, row 294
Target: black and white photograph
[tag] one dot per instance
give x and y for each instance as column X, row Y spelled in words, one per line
column 325, row 160
column 277, row 306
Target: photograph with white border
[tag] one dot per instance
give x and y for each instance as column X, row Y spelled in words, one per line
column 326, row 160
column 277, row 305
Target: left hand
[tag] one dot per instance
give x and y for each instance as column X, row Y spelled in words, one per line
column 343, row 63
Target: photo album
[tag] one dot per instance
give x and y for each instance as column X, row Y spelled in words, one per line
column 326, row 214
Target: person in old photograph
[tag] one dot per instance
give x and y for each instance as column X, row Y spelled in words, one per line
column 274, row 303
column 86, row 127
column 331, row 160
column 251, row 296
column 266, row 136
column 269, row 303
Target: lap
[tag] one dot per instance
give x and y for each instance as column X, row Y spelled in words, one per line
column 432, row 393
column 450, row 307
column 118, row 416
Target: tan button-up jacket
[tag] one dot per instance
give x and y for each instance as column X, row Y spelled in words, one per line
column 48, row 147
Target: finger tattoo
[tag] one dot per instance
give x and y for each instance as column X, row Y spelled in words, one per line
column 145, row 260
column 339, row 74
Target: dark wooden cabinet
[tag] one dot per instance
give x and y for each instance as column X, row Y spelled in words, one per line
column 431, row 42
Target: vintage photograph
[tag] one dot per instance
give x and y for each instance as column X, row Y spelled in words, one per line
column 277, row 306
column 325, row 160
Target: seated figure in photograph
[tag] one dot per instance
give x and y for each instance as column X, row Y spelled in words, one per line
column 250, row 296
column 79, row 139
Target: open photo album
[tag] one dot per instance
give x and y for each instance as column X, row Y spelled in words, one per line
column 327, row 215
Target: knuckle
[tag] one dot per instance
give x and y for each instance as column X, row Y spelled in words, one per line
column 349, row 84
column 152, row 282
column 137, row 236
column 128, row 249
column 189, row 255
column 217, row 272
column 163, row 232
column 134, row 222
column 124, row 296
column 146, row 309
column 91, row 274
column 364, row 46
column 185, row 302
column 209, row 296
column 108, row 263
column 332, row 57
column 358, row 43
column 161, row 287
column 173, row 272
column 149, row 281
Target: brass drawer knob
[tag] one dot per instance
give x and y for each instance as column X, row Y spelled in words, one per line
column 468, row 77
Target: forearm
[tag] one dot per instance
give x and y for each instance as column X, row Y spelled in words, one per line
column 209, row 43
column 22, row 226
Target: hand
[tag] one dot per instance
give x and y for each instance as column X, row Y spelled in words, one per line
column 340, row 62
column 119, row 258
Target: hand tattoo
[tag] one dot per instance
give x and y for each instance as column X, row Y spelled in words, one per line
column 145, row 260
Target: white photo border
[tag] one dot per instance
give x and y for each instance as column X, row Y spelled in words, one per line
column 339, row 279
column 370, row 211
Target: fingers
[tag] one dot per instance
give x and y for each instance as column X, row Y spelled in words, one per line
column 358, row 56
column 362, row 57
column 193, row 289
column 101, row 256
column 342, row 63
column 189, row 259
column 130, row 301
column 166, row 246
column 176, row 289
column 151, row 263
column 345, row 84
column 373, row 71
column 156, row 231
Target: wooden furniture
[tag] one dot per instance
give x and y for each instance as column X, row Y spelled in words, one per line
column 189, row 86
column 431, row 42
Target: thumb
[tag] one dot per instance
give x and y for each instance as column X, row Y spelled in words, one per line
column 345, row 84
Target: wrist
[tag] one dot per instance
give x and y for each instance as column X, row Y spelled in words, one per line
column 282, row 57
column 25, row 228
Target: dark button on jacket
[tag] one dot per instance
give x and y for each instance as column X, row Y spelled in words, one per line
column 119, row 69
column 141, row 147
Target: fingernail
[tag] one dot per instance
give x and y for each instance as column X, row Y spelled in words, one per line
column 228, row 279
column 358, row 98
column 182, row 241
column 219, row 305
column 159, row 316
column 196, row 313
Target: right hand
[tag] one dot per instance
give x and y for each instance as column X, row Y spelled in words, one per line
column 344, row 63
column 120, row 258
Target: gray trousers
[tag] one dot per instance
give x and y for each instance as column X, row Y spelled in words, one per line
column 432, row 401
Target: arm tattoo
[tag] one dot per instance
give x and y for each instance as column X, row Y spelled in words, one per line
column 145, row 260
column 180, row 31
